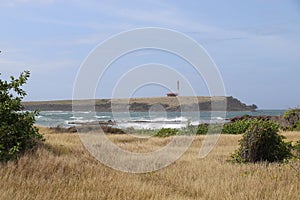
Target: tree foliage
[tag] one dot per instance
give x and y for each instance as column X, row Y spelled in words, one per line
column 17, row 131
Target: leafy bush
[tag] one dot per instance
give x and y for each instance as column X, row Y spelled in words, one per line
column 209, row 128
column 17, row 133
column 261, row 142
column 296, row 149
column 202, row 129
column 166, row 132
column 292, row 116
column 237, row 127
column 297, row 128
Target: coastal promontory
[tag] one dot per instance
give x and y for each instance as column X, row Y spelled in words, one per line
column 170, row 104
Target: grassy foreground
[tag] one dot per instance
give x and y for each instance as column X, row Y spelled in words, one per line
column 63, row 169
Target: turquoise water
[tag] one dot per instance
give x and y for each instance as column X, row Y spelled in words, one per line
column 140, row 120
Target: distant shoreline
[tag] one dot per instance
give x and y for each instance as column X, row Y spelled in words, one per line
column 169, row 104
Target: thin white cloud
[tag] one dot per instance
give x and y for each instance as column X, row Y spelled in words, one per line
column 164, row 15
column 161, row 14
column 123, row 18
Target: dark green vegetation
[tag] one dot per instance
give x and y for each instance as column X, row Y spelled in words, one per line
column 237, row 127
column 296, row 148
column 166, row 132
column 202, row 129
column 17, row 133
column 261, row 142
column 292, row 116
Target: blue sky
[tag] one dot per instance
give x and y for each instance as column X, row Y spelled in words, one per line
column 254, row 43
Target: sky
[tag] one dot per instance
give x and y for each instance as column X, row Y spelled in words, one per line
column 255, row 45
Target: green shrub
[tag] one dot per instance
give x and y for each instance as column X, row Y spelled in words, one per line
column 209, row 129
column 237, row 127
column 296, row 149
column 297, row 128
column 261, row 142
column 292, row 116
column 202, row 129
column 17, row 131
column 166, row 132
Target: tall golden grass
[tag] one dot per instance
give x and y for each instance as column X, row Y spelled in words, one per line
column 63, row 169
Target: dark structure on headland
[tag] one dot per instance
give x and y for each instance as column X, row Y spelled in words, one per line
column 173, row 94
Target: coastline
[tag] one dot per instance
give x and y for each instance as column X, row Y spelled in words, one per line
column 169, row 104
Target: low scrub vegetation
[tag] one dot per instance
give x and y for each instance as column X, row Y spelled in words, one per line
column 297, row 128
column 237, row 127
column 261, row 142
column 292, row 116
column 166, row 132
column 296, row 149
column 202, row 129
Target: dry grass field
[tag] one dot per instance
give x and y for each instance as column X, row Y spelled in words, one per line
column 63, row 169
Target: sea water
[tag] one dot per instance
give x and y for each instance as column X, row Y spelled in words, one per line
column 144, row 120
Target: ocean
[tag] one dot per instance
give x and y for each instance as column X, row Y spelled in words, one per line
column 144, row 120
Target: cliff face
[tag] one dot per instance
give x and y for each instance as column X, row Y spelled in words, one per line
column 216, row 104
column 170, row 104
column 234, row 104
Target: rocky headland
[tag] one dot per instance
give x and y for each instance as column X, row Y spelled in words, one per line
column 170, row 104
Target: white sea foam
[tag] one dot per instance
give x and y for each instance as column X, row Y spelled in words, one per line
column 78, row 121
column 55, row 112
column 217, row 118
column 77, row 118
column 138, row 120
column 144, row 125
column 83, row 112
column 103, row 117
column 161, row 120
